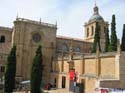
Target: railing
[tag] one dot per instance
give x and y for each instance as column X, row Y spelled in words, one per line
column 36, row 22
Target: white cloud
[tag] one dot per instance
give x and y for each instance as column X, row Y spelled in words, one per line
column 70, row 14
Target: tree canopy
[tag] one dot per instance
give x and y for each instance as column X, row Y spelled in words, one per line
column 96, row 39
column 113, row 42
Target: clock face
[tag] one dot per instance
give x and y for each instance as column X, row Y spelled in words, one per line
column 36, row 37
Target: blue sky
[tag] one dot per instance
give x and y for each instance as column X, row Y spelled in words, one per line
column 69, row 14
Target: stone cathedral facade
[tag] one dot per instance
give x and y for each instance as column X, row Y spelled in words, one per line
column 97, row 70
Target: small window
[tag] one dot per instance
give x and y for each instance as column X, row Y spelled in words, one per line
column 78, row 49
column 2, row 69
column 2, row 39
column 65, row 47
column 87, row 32
column 92, row 31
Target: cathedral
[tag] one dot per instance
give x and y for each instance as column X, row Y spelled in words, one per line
column 95, row 71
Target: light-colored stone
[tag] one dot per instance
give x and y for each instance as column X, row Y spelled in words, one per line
column 93, row 70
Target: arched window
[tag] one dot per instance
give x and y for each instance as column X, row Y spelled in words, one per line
column 2, row 39
column 92, row 31
column 87, row 32
column 65, row 47
column 78, row 49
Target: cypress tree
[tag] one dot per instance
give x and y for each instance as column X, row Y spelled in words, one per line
column 107, row 40
column 113, row 44
column 96, row 39
column 109, row 48
column 123, row 39
column 9, row 82
column 36, row 72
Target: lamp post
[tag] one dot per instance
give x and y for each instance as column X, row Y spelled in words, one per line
column 71, row 67
column 71, row 71
column 72, row 75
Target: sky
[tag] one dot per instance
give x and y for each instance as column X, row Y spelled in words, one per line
column 70, row 15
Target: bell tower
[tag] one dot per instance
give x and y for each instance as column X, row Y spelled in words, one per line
column 91, row 25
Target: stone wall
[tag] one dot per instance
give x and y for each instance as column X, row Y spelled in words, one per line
column 28, row 35
column 5, row 46
column 90, row 69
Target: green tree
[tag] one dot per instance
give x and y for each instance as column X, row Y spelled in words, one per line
column 107, row 41
column 9, row 83
column 123, row 39
column 109, row 48
column 36, row 72
column 96, row 39
column 113, row 44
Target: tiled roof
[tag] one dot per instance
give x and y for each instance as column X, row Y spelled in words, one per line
column 70, row 38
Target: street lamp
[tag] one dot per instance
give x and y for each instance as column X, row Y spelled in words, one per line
column 71, row 68
column 72, row 75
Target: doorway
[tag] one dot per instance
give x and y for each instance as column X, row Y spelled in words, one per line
column 63, row 82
